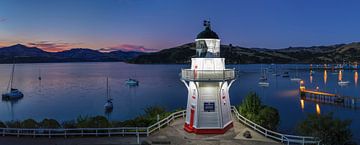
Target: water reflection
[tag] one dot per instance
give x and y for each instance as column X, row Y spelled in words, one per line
column 340, row 75
column 318, row 111
column 356, row 78
column 325, row 76
column 302, row 104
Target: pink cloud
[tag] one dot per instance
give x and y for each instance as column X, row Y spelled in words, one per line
column 128, row 47
column 52, row 46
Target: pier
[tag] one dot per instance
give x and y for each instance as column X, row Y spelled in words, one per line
column 327, row 98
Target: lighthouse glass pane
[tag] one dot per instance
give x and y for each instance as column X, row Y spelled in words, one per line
column 209, row 106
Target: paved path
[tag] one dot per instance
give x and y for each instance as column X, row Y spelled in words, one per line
column 171, row 135
column 175, row 135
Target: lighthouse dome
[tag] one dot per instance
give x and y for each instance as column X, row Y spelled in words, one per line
column 207, row 33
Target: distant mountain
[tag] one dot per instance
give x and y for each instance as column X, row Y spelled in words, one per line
column 241, row 55
column 23, row 54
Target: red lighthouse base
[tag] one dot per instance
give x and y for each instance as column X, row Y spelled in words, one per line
column 191, row 129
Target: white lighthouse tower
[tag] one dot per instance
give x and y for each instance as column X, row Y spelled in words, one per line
column 208, row 82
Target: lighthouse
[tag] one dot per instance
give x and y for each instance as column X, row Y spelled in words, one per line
column 208, row 81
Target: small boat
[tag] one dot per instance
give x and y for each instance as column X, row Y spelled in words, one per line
column 13, row 93
column 339, row 100
column 263, row 79
column 296, row 78
column 132, row 82
column 264, row 84
column 109, row 104
column 343, row 83
column 286, row 75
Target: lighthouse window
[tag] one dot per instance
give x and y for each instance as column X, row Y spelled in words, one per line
column 209, row 106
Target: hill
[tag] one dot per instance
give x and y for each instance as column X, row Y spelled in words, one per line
column 23, row 54
column 242, row 55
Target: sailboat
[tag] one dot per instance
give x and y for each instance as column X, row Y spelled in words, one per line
column 275, row 73
column 13, row 93
column 296, row 78
column 109, row 104
column 263, row 79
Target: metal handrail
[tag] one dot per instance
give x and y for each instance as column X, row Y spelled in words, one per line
column 284, row 138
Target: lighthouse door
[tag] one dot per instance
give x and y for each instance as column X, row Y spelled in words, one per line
column 192, row 112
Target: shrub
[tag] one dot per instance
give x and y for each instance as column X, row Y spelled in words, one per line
column 49, row 123
column 330, row 130
column 69, row 124
column 2, row 125
column 13, row 124
column 252, row 109
column 29, row 123
column 251, row 106
column 269, row 118
column 153, row 111
column 98, row 122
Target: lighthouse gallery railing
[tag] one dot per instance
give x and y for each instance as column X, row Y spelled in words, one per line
column 207, row 75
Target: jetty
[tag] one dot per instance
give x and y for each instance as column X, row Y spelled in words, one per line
column 327, row 98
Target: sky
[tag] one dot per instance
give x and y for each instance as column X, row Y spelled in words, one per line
column 152, row 25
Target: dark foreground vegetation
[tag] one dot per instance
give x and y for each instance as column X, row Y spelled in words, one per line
column 330, row 130
column 148, row 118
column 252, row 108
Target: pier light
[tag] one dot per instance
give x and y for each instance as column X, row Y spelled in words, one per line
column 208, row 82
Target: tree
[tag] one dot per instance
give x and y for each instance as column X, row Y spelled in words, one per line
column 49, row 123
column 13, row 124
column 29, row 123
column 69, row 124
column 250, row 106
column 2, row 125
column 153, row 111
column 269, row 118
column 98, row 122
column 330, row 130
column 252, row 109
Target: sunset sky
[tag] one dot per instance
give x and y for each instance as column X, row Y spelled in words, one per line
column 150, row 25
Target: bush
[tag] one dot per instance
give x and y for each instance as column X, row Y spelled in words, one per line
column 330, row 130
column 98, row 122
column 92, row 122
column 2, row 125
column 13, row 124
column 252, row 109
column 49, row 123
column 29, row 123
column 69, row 124
column 269, row 118
column 251, row 106
column 153, row 111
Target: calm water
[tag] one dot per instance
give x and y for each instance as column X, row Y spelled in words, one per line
column 68, row 90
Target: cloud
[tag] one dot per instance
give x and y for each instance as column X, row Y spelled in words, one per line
column 2, row 20
column 128, row 47
column 52, row 46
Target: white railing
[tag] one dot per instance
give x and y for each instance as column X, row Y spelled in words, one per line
column 284, row 138
column 91, row 131
column 207, row 75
